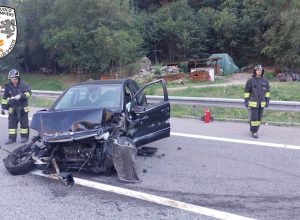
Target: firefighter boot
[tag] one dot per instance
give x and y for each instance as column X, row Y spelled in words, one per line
column 254, row 135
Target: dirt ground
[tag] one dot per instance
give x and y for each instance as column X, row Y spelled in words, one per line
column 233, row 79
column 238, row 78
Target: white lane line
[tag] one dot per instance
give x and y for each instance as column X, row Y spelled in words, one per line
column 152, row 198
column 266, row 144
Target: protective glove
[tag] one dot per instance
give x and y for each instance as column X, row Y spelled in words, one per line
column 11, row 99
column 18, row 97
column 2, row 112
column 267, row 104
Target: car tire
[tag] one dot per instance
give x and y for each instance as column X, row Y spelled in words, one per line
column 21, row 165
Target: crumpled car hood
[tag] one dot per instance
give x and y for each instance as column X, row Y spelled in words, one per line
column 66, row 120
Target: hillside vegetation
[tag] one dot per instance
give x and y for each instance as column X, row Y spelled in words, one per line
column 93, row 37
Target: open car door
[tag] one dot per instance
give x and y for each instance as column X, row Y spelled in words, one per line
column 149, row 121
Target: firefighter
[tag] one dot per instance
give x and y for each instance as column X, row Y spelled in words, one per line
column 257, row 97
column 15, row 100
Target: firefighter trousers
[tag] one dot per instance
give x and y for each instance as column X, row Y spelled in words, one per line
column 255, row 115
column 16, row 115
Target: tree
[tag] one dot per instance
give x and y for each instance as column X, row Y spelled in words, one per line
column 238, row 28
column 283, row 34
column 84, row 34
column 93, row 36
column 174, row 32
column 198, row 4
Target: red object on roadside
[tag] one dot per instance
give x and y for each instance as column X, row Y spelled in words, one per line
column 206, row 115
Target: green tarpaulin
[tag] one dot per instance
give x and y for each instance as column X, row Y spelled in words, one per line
column 226, row 63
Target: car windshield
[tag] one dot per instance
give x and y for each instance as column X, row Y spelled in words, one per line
column 91, row 96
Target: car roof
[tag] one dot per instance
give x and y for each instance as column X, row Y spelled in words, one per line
column 103, row 82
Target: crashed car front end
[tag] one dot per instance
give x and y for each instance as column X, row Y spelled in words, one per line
column 95, row 145
column 69, row 136
column 98, row 127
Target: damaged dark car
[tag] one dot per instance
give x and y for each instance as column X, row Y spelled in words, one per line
column 97, row 126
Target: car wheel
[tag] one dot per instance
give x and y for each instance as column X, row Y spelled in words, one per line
column 21, row 162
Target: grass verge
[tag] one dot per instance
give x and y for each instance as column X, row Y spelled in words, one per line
column 288, row 91
column 41, row 82
column 235, row 114
column 40, row 102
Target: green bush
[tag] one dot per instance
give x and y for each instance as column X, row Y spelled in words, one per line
column 157, row 71
column 183, row 67
column 131, row 69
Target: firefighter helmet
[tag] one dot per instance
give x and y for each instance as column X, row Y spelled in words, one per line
column 258, row 67
column 13, row 73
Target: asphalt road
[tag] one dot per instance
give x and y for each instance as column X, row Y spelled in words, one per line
column 255, row 181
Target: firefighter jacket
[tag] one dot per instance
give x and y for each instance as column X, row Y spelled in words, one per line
column 257, row 92
column 11, row 91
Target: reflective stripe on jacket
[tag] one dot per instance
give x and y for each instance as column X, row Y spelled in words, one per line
column 257, row 92
column 11, row 91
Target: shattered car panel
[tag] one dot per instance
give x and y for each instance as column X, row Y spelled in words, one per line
column 96, row 126
column 60, row 121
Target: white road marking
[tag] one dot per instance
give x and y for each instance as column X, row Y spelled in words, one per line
column 266, row 144
column 152, row 198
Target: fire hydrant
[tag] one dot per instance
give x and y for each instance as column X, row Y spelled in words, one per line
column 206, row 115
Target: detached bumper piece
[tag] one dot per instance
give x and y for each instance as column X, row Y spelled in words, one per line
column 65, row 177
column 124, row 159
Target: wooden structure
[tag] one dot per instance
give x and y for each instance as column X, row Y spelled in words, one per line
column 203, row 63
column 199, row 75
column 172, row 77
column 213, row 62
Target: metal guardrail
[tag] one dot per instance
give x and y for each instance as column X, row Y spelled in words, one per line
column 51, row 94
column 195, row 101
column 227, row 103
